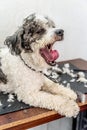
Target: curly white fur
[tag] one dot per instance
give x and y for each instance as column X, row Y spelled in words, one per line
column 35, row 89
column 32, row 87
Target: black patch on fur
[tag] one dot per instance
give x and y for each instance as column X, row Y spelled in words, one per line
column 14, row 42
column 0, row 61
column 3, row 77
column 30, row 31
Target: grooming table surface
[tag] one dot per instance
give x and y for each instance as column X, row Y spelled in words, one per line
column 31, row 116
column 8, row 106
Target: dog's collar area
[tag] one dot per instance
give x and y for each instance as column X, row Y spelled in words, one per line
column 33, row 69
column 29, row 67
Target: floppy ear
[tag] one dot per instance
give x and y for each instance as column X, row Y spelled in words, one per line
column 21, row 38
column 19, row 41
column 14, row 43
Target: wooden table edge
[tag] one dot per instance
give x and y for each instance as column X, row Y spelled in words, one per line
column 32, row 121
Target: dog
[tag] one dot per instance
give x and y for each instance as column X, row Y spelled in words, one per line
column 22, row 63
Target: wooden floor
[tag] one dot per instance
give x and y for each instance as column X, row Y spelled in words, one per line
column 32, row 117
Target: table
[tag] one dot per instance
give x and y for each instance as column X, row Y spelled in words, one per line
column 32, row 117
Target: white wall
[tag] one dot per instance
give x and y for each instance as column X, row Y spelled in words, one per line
column 71, row 15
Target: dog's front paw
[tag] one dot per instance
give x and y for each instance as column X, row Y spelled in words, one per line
column 72, row 109
column 71, row 94
column 69, row 109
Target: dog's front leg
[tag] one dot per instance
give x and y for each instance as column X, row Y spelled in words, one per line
column 55, row 88
column 42, row 99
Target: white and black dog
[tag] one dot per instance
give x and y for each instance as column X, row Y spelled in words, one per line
column 29, row 52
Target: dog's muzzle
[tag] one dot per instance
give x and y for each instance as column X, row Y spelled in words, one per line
column 48, row 53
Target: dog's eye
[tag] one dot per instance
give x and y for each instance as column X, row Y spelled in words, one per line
column 53, row 26
column 40, row 31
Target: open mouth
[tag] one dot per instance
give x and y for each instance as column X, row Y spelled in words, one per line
column 48, row 54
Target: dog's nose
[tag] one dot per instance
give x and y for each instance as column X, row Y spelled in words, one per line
column 59, row 32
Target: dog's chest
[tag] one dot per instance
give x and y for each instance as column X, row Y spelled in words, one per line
column 18, row 73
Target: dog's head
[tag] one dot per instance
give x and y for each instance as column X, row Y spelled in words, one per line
column 37, row 35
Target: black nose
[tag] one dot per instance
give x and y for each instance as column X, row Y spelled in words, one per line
column 59, row 32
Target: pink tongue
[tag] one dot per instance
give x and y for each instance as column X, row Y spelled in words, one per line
column 54, row 54
column 49, row 56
